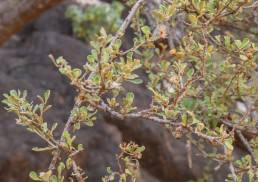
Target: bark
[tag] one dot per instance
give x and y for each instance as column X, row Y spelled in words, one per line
column 14, row 14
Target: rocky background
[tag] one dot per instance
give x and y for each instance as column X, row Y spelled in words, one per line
column 25, row 65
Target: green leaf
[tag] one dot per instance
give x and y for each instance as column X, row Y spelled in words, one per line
column 90, row 58
column 218, row 38
column 140, row 149
column 190, row 73
column 130, row 97
column 109, row 170
column 227, row 41
column 117, row 44
column 256, row 153
column 96, row 79
column 193, row 19
column 39, row 149
column 24, row 95
column 45, row 176
column 80, row 147
column 34, row 176
column 184, row 119
column 44, row 127
column 171, row 9
column 103, row 32
column 188, row 103
column 136, row 81
column 60, row 168
column 146, row 30
column 129, row 56
column 76, row 72
column 13, row 93
column 89, row 123
column 69, row 163
column 245, row 43
column 228, row 144
column 105, row 55
column 53, row 127
column 158, row 15
column 36, row 107
column 128, row 172
column 94, row 53
column 67, row 138
column 83, row 112
column 76, row 126
column 54, row 178
column 46, row 95
column 60, row 60
column 238, row 43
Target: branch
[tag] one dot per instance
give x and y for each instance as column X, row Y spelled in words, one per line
column 246, row 144
column 126, row 22
column 246, row 130
column 77, row 173
column 67, row 128
column 232, row 170
column 146, row 115
column 15, row 14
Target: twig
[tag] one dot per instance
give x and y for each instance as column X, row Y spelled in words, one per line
column 126, row 22
column 246, row 130
column 77, row 173
column 189, row 154
column 145, row 115
column 67, row 127
column 248, row 147
column 230, row 83
column 141, row 114
column 168, row 1
column 183, row 90
column 232, row 170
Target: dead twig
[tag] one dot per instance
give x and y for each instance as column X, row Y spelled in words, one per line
column 246, row 144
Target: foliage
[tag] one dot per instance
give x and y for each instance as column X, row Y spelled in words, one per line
column 87, row 22
column 129, row 157
column 195, row 85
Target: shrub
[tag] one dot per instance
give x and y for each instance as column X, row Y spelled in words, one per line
column 195, row 85
column 88, row 21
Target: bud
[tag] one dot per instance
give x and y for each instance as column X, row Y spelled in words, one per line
column 172, row 51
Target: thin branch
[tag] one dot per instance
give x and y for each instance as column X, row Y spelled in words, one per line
column 126, row 22
column 232, row 170
column 248, row 147
column 183, row 90
column 67, row 127
column 77, row 173
column 189, row 154
column 145, row 115
column 245, row 130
